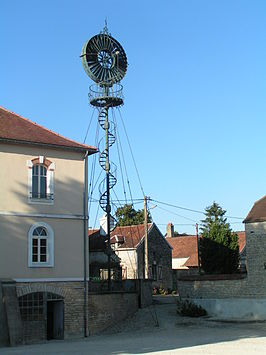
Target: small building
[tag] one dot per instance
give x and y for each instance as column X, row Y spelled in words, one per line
column 43, row 231
column 128, row 243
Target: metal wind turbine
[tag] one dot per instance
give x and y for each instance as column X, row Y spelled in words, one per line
column 105, row 62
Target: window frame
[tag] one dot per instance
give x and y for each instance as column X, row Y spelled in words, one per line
column 49, row 246
column 50, row 168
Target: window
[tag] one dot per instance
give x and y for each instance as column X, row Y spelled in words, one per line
column 32, row 305
column 41, row 246
column 40, row 180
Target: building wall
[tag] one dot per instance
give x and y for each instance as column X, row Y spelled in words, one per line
column 252, row 287
column 68, row 180
column 129, row 261
column 64, row 216
column 108, row 310
column 72, row 294
column 159, row 255
column 103, row 310
column 68, row 249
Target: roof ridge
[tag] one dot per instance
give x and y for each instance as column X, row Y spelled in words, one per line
column 48, row 130
column 133, row 225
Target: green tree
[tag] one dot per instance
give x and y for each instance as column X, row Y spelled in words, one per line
column 218, row 247
column 128, row 216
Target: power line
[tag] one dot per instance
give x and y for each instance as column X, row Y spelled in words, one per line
column 189, row 219
column 187, row 209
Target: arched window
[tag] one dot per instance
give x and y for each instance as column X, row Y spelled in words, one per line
column 41, row 246
column 39, row 181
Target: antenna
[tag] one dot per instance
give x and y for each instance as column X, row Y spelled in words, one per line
column 105, row 62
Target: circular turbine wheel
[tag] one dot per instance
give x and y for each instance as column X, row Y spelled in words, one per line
column 104, row 59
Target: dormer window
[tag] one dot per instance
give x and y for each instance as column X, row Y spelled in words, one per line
column 40, row 180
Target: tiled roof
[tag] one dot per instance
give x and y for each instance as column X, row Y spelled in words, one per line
column 128, row 236
column 257, row 212
column 241, row 240
column 186, row 247
column 17, row 129
column 132, row 235
column 183, row 247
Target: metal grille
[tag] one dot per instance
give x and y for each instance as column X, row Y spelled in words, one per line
column 32, row 306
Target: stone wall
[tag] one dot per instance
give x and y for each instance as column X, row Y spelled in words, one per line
column 103, row 310
column 246, row 293
column 234, row 286
column 72, row 295
column 108, row 310
column 200, row 287
column 159, row 255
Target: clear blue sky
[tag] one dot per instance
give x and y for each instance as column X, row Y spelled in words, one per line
column 194, row 91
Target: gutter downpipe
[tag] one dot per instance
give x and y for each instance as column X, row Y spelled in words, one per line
column 85, row 241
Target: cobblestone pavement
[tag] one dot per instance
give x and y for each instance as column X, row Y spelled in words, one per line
column 158, row 330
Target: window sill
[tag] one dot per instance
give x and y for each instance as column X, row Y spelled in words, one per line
column 39, row 265
column 40, row 201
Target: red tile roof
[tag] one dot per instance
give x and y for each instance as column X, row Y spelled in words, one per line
column 17, row 129
column 241, row 240
column 186, row 247
column 183, row 247
column 257, row 212
column 128, row 236
column 132, row 234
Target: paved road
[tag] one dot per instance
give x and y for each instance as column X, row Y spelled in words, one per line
column 174, row 335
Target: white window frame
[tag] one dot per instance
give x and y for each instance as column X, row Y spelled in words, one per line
column 49, row 182
column 50, row 246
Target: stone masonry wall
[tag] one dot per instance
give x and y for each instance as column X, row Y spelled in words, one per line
column 108, row 310
column 252, row 287
column 72, row 294
column 159, row 254
column 103, row 310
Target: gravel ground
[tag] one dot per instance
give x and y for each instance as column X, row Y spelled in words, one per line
column 158, row 330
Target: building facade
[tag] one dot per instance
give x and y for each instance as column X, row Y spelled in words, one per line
column 128, row 243
column 43, row 227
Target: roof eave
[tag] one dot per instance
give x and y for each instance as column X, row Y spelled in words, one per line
column 90, row 150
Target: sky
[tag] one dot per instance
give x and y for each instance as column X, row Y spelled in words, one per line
column 194, row 107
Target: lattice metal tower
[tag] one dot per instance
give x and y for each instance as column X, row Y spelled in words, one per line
column 105, row 62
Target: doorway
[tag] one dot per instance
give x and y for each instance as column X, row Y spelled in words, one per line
column 55, row 319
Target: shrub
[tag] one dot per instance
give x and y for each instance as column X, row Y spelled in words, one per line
column 190, row 309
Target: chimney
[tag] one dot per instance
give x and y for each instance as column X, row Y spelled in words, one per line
column 103, row 224
column 170, row 230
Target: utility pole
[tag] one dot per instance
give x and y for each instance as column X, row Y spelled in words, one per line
column 146, row 265
column 197, row 233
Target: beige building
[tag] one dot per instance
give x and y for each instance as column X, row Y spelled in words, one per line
column 43, row 225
